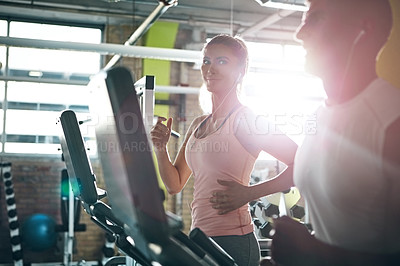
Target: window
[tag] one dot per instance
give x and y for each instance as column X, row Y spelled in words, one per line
column 278, row 87
column 1, row 113
column 37, row 114
column 40, row 83
column 3, row 28
column 3, row 32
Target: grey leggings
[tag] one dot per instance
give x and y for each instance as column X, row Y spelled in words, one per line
column 243, row 249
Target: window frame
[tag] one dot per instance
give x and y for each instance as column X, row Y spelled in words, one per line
column 5, row 78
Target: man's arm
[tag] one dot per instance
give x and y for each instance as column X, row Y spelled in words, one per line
column 293, row 245
column 391, row 151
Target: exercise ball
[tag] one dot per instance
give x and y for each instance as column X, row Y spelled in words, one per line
column 39, row 232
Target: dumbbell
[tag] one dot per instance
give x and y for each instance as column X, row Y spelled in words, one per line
column 271, row 210
column 297, row 211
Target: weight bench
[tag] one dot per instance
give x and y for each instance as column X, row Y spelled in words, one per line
column 135, row 215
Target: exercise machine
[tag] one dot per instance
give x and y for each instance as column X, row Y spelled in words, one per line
column 144, row 231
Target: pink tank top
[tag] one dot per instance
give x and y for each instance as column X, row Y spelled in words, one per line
column 219, row 155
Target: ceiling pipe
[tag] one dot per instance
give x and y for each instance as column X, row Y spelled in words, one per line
column 143, row 28
column 178, row 55
column 266, row 22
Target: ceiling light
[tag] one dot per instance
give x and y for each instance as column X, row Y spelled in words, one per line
column 37, row 74
column 297, row 5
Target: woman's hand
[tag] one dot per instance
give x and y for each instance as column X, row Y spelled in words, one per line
column 231, row 198
column 161, row 133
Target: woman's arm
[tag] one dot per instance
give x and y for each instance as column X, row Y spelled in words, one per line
column 174, row 175
column 257, row 134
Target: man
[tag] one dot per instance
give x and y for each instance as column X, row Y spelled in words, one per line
column 348, row 172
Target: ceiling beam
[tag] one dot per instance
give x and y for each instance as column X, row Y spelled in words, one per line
column 266, row 22
column 107, row 49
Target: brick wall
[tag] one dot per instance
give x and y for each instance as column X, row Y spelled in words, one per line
column 37, row 189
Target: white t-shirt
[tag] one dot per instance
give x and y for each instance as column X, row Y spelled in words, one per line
column 339, row 171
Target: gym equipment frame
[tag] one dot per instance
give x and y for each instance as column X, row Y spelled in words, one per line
column 144, row 231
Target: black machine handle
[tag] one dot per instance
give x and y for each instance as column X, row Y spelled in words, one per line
column 189, row 243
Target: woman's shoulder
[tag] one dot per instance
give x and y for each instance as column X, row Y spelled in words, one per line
column 244, row 112
column 248, row 121
column 195, row 122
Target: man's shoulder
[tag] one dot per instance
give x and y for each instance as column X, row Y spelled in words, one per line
column 381, row 88
column 384, row 100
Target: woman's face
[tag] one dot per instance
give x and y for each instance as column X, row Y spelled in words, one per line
column 220, row 69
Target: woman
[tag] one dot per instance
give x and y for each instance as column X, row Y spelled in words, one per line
column 222, row 147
